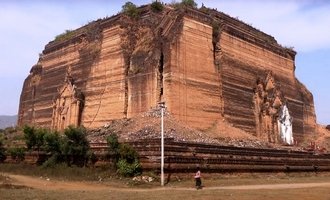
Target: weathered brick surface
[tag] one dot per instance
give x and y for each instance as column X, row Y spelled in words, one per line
column 205, row 65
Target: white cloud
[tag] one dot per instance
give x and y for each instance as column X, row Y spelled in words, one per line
column 301, row 24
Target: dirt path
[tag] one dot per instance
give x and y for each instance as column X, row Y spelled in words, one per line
column 47, row 184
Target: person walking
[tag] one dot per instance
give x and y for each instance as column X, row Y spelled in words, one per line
column 198, row 179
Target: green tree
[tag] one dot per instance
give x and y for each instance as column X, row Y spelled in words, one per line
column 130, row 10
column 34, row 137
column 189, row 3
column 157, row 6
column 30, row 136
column 39, row 138
column 52, row 146
column 113, row 146
column 52, row 143
column 75, row 146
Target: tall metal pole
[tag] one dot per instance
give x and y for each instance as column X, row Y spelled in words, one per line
column 162, row 145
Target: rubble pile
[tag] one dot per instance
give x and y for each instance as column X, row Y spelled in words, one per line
column 147, row 126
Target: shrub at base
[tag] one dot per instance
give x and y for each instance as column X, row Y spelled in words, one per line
column 17, row 154
column 128, row 169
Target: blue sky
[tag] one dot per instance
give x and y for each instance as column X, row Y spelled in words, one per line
column 26, row 26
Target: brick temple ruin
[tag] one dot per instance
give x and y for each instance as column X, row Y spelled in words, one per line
column 206, row 66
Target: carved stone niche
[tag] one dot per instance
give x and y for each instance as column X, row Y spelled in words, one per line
column 67, row 106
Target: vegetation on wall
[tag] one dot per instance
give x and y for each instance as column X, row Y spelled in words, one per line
column 157, row 6
column 189, row 3
column 184, row 3
column 131, row 10
column 68, row 34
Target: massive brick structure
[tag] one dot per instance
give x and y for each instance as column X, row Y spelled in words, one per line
column 206, row 66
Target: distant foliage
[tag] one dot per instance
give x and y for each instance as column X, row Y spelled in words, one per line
column 2, row 150
column 130, row 10
column 157, row 6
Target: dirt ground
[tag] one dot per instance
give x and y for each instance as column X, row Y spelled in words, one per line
column 13, row 186
column 47, row 184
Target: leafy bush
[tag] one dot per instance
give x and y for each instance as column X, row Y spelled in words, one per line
column 128, row 153
column 125, row 168
column 130, row 10
column 156, row 6
column 52, row 161
column 17, row 153
column 92, row 158
column 126, row 159
column 128, row 164
column 75, row 146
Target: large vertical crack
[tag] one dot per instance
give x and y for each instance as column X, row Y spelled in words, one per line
column 126, row 87
column 216, row 32
column 160, row 76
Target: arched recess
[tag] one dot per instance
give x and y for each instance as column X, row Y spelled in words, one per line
column 67, row 106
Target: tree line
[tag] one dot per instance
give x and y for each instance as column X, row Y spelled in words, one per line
column 72, row 148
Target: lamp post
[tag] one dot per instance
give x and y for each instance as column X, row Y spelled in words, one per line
column 162, row 108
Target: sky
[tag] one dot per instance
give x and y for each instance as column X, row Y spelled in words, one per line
column 26, row 26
